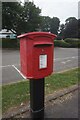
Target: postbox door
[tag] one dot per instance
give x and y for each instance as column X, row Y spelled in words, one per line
column 43, row 60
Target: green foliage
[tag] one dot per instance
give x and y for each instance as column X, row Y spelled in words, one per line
column 70, row 40
column 50, row 24
column 14, row 94
column 45, row 24
column 71, row 26
column 68, row 43
column 61, row 43
column 70, row 29
column 61, row 31
column 55, row 25
column 61, row 80
column 74, row 42
column 26, row 18
column 79, row 28
column 11, row 14
column 9, row 43
column 20, row 18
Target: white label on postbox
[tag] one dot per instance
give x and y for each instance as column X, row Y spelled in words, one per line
column 42, row 61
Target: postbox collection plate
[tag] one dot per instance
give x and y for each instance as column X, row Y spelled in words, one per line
column 42, row 61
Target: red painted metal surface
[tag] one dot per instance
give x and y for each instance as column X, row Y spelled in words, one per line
column 36, row 54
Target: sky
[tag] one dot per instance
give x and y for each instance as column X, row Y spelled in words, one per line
column 62, row 9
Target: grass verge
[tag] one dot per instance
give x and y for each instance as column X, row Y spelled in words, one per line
column 14, row 94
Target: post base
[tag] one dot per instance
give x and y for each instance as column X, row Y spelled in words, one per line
column 37, row 114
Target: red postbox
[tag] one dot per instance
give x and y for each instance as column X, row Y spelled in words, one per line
column 36, row 54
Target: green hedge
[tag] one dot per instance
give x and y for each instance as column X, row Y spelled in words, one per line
column 68, row 42
column 8, row 43
column 61, row 43
column 74, row 42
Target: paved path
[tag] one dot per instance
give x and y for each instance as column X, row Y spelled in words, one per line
column 64, row 59
column 64, row 107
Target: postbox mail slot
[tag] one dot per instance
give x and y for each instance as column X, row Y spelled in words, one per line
column 42, row 44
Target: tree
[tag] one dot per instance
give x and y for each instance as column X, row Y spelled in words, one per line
column 0, row 15
column 55, row 25
column 71, row 28
column 46, row 24
column 61, row 31
column 20, row 18
column 50, row 24
column 79, row 28
column 11, row 15
column 31, row 16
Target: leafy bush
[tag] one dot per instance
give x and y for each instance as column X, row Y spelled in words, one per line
column 74, row 42
column 61, row 43
column 71, row 40
column 68, row 42
column 9, row 43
